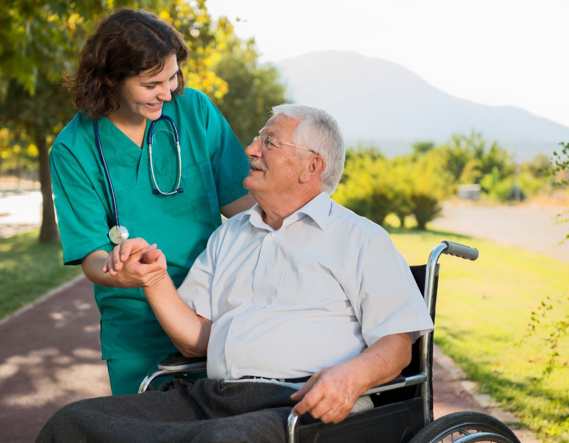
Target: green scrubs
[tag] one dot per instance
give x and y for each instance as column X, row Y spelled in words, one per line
column 213, row 168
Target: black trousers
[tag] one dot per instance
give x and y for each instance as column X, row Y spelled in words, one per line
column 207, row 411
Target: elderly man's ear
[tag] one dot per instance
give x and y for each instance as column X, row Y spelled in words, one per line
column 313, row 170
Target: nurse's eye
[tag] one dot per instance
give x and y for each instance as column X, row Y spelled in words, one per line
column 149, row 86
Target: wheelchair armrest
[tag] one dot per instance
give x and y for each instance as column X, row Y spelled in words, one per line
column 183, row 364
column 398, row 382
column 174, row 366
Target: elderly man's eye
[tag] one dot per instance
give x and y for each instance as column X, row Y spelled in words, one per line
column 267, row 141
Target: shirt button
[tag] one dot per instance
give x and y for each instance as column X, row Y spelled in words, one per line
column 273, row 234
column 262, row 270
column 234, row 372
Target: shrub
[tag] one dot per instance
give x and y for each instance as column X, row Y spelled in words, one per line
column 425, row 208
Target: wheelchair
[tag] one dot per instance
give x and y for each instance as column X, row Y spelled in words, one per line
column 403, row 408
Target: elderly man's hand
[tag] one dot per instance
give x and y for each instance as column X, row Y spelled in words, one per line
column 134, row 263
column 330, row 395
column 121, row 253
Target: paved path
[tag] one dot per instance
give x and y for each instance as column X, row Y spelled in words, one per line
column 50, row 356
column 531, row 227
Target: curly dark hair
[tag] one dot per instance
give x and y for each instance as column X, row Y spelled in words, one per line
column 125, row 44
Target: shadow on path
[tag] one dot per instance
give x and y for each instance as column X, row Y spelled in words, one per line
column 49, row 356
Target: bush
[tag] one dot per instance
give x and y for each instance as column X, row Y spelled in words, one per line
column 425, row 208
column 365, row 187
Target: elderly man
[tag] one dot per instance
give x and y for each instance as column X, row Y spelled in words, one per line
column 296, row 289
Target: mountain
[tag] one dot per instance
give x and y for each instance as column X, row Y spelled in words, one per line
column 380, row 103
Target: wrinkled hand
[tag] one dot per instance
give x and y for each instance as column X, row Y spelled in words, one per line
column 121, row 253
column 134, row 264
column 329, row 395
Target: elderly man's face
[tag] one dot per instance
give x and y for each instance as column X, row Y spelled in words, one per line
column 274, row 171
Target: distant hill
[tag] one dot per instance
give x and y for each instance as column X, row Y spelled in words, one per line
column 381, row 103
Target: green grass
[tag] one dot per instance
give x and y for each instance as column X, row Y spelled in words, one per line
column 483, row 311
column 29, row 269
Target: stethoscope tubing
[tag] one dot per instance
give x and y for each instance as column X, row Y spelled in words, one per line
column 157, row 189
column 117, row 228
column 105, row 167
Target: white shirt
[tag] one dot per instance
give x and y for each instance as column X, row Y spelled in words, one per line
column 291, row 302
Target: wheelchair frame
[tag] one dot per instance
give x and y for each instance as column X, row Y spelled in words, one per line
column 472, row 427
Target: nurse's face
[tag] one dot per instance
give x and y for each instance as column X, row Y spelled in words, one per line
column 143, row 96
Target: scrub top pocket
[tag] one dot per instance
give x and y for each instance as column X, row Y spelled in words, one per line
column 199, row 188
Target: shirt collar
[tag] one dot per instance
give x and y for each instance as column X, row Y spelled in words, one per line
column 317, row 209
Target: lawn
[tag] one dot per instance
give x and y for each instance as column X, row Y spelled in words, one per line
column 29, row 269
column 483, row 312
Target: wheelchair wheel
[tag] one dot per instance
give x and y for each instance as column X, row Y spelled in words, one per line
column 465, row 427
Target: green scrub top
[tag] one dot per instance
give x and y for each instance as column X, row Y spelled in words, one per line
column 213, row 168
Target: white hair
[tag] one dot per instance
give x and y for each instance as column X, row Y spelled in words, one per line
column 317, row 130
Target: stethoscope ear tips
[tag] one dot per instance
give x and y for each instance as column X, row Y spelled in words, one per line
column 155, row 191
column 180, row 190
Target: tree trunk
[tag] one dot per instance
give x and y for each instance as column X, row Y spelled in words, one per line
column 48, row 232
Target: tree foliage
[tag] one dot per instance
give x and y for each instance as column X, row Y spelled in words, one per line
column 415, row 184
column 41, row 41
column 375, row 187
column 253, row 88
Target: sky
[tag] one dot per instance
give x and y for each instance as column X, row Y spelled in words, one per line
column 497, row 52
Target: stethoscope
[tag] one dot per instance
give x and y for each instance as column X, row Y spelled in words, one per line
column 118, row 233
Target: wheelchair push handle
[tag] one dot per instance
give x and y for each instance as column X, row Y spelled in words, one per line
column 461, row 251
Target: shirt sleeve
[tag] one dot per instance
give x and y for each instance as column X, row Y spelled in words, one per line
column 196, row 289
column 389, row 301
column 81, row 215
column 229, row 162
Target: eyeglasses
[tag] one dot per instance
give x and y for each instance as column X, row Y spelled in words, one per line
column 271, row 142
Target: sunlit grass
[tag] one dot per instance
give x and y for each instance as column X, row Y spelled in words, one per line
column 29, row 269
column 483, row 311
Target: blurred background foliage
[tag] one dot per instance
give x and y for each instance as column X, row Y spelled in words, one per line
column 414, row 185
column 41, row 42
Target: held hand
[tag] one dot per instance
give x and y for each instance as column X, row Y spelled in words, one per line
column 121, row 253
column 329, row 395
column 144, row 268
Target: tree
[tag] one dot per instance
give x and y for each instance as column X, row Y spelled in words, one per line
column 364, row 188
column 17, row 153
column 543, row 317
column 421, row 148
column 560, row 171
column 253, row 89
column 42, row 40
column 469, row 158
column 430, row 184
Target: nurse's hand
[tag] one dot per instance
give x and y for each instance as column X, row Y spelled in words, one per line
column 136, row 264
column 121, row 253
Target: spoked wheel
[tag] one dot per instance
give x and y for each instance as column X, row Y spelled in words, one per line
column 465, row 427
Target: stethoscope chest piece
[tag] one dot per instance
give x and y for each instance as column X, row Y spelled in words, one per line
column 118, row 234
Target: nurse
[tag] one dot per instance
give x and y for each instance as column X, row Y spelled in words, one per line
column 104, row 175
